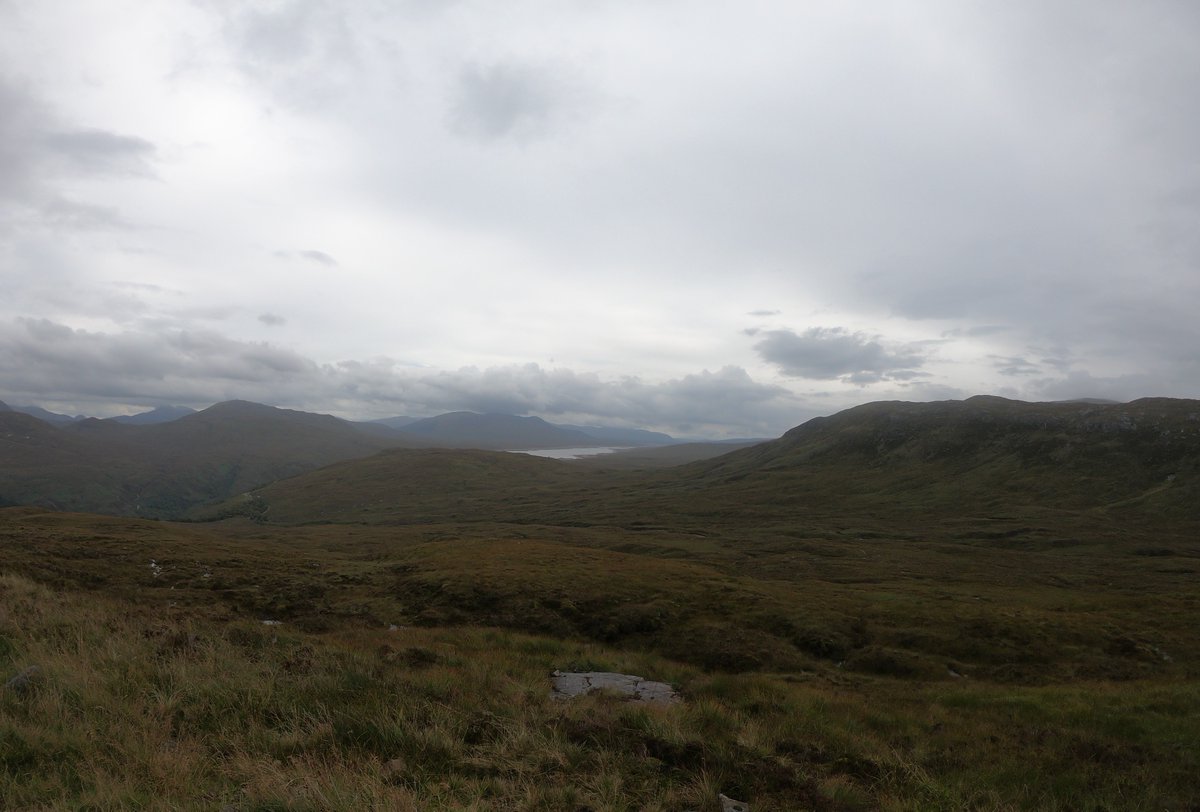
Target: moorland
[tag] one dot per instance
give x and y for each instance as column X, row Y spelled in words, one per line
column 979, row 604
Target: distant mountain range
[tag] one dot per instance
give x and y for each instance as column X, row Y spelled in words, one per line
column 161, row 414
column 451, row 430
column 983, row 454
column 165, row 461
column 161, row 469
column 45, row 414
column 923, row 461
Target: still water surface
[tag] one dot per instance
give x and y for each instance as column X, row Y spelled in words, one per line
column 572, row 453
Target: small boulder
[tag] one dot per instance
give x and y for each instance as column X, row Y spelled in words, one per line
column 730, row 805
column 567, row 685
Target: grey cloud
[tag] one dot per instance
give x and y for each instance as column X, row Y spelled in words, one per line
column 1163, row 377
column 38, row 155
column 507, row 99
column 272, row 320
column 1057, row 362
column 1122, row 388
column 319, row 257
column 1012, row 366
column 22, row 119
column 312, row 255
column 307, row 54
column 764, row 313
column 73, row 216
column 977, row 331
column 102, row 152
column 45, row 360
column 828, row 353
column 62, row 363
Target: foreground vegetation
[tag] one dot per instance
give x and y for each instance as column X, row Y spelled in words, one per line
column 167, row 709
column 160, row 687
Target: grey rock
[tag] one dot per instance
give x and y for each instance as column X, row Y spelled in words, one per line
column 571, row 684
column 730, row 805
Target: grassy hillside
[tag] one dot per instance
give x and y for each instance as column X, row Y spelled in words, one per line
column 158, row 687
column 987, row 453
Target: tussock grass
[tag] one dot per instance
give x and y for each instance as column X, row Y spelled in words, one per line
column 137, row 707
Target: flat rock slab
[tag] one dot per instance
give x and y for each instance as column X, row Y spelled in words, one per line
column 572, row 684
column 730, row 805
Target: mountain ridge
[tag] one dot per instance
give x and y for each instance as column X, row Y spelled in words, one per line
column 985, row 454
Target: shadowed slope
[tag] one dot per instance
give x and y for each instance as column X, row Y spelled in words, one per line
column 163, row 469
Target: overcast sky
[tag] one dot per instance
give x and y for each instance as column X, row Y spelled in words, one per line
column 714, row 217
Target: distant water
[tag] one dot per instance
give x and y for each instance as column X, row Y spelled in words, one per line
column 572, row 453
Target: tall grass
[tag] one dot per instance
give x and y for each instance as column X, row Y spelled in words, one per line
column 140, row 709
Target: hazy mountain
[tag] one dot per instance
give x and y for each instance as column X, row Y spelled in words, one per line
column 495, row 431
column 395, row 422
column 48, row 416
column 163, row 469
column 161, row 414
column 4, row 407
column 622, row 437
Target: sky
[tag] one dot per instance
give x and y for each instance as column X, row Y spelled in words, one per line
column 709, row 217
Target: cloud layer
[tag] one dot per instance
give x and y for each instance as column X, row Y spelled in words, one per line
column 821, row 203
column 46, row 361
column 829, row 353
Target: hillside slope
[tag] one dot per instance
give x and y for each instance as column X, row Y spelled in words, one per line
column 878, row 463
column 162, row 469
column 984, row 453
